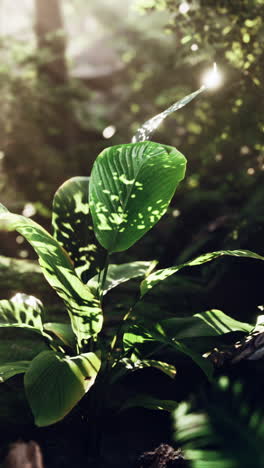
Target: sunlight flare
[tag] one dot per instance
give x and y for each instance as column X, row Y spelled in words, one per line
column 212, row 78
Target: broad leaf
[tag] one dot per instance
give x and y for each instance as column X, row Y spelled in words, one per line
column 210, row 323
column 55, row 383
column 83, row 307
column 73, row 227
column 63, row 331
column 10, row 369
column 149, row 402
column 118, row 274
column 22, row 310
column 160, row 275
column 130, row 189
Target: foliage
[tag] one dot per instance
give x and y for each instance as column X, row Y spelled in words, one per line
column 226, row 164
column 128, row 192
column 228, row 433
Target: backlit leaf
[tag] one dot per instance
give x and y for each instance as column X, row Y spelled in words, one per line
column 130, row 189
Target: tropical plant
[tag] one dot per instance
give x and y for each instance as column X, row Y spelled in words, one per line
column 129, row 190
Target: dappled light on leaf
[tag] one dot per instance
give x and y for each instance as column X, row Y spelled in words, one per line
column 130, row 189
column 73, row 227
column 83, row 307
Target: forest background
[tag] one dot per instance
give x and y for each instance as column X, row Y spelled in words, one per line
column 76, row 77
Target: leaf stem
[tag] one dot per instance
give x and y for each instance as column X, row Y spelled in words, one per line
column 105, row 270
column 120, row 328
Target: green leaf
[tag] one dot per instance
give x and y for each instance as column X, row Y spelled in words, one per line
column 118, row 274
column 138, row 336
column 73, row 227
column 133, row 364
column 10, row 369
column 210, row 323
column 22, row 310
column 149, row 402
column 160, row 275
column 83, row 307
column 55, row 383
column 130, row 189
column 205, row 365
column 63, row 331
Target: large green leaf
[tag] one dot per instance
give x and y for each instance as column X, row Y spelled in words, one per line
column 118, row 274
column 83, row 307
column 210, row 323
column 55, row 383
column 10, row 369
column 73, row 227
column 22, row 310
column 130, row 189
column 160, row 275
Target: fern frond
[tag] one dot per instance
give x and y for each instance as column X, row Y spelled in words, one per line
column 229, row 433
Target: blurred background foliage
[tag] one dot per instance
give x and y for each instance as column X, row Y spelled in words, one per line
column 78, row 76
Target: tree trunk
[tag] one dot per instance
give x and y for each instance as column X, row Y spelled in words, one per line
column 55, row 110
column 51, row 41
